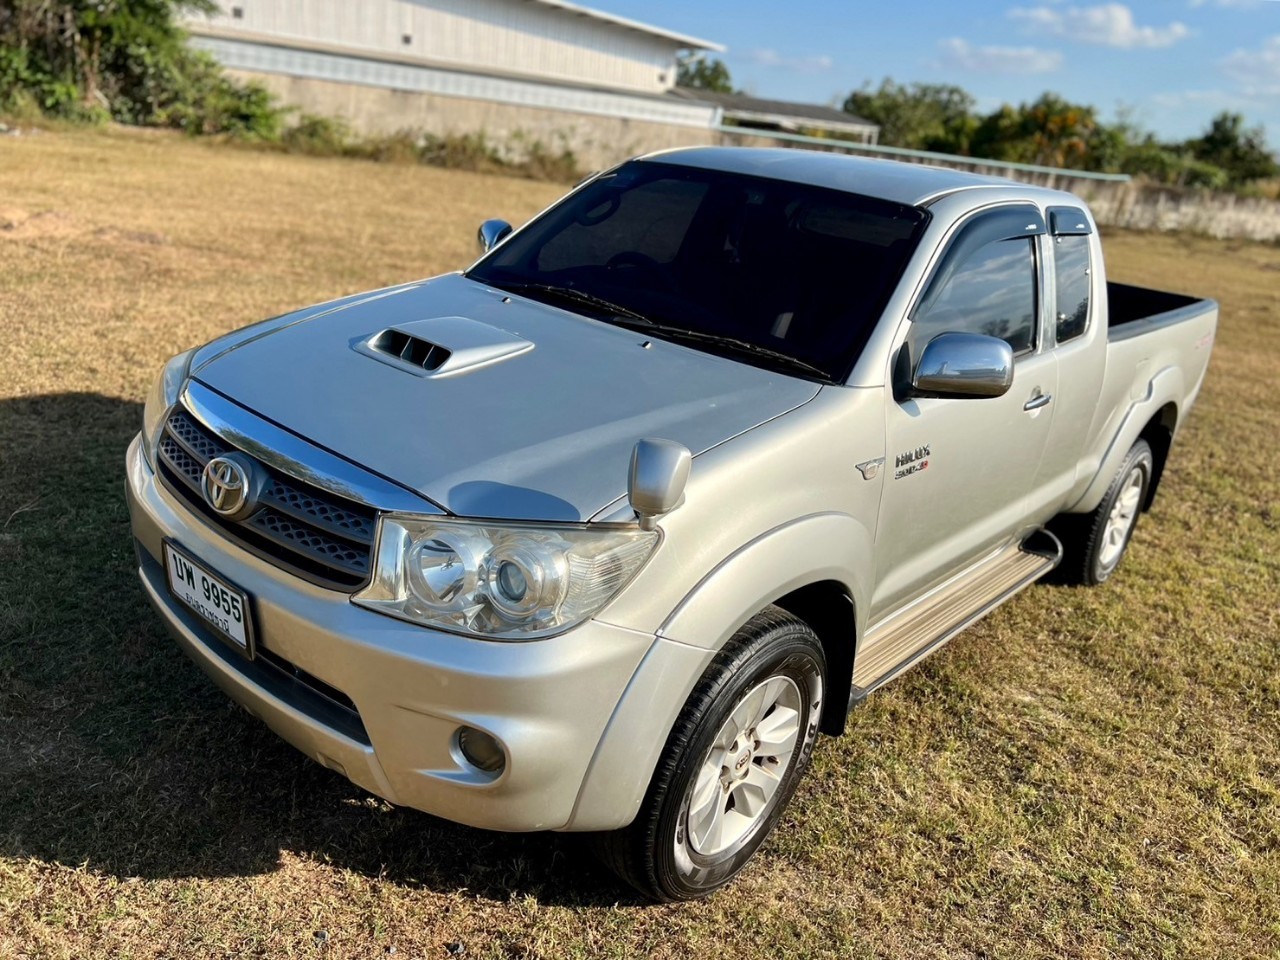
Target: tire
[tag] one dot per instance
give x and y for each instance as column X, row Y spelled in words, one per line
column 1095, row 543
column 721, row 784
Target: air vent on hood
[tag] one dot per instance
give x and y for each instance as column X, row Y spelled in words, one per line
column 412, row 350
column 442, row 346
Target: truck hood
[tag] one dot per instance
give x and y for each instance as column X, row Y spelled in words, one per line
column 501, row 407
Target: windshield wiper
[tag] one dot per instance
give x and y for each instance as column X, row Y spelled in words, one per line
column 732, row 343
column 574, row 295
column 626, row 317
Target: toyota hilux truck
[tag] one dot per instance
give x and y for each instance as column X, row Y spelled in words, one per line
column 599, row 534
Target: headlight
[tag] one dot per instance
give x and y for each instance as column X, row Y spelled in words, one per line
column 501, row 581
column 160, row 398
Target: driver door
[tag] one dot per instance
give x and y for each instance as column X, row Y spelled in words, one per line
column 959, row 472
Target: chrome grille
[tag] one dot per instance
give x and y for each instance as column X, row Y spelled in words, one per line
column 320, row 536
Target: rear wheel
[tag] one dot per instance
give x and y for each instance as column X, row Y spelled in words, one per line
column 731, row 764
column 1095, row 543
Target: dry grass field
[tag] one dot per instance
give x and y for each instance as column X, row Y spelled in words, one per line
column 1086, row 773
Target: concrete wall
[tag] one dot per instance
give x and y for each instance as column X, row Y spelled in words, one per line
column 596, row 141
column 1145, row 207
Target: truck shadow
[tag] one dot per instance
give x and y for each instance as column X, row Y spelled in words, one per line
column 118, row 754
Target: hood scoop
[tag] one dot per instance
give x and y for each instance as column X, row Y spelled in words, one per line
column 442, row 346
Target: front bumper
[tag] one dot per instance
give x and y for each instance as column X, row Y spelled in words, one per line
column 391, row 696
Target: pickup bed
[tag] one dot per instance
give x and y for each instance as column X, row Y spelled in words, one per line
column 603, row 532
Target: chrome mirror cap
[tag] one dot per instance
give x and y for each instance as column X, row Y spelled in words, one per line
column 492, row 233
column 656, row 482
column 964, row 365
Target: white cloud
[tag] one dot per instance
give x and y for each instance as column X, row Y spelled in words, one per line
column 1234, row 4
column 1110, row 25
column 810, row 64
column 960, row 54
column 1257, row 71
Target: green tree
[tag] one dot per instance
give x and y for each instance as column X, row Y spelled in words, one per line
column 919, row 116
column 1242, row 153
column 700, row 73
column 1051, row 132
column 123, row 59
column 94, row 55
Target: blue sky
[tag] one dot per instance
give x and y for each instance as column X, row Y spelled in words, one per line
column 1171, row 64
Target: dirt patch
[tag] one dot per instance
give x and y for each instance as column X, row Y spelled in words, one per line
column 131, row 236
column 20, row 225
column 58, row 224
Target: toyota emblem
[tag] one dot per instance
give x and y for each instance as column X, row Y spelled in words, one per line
column 226, row 485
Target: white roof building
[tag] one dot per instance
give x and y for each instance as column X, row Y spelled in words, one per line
column 548, row 72
column 545, row 55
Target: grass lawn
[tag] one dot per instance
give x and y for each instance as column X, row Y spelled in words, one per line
column 1086, row 773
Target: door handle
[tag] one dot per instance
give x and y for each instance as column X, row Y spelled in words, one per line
column 1037, row 401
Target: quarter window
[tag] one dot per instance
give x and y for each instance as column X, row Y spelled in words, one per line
column 993, row 293
column 1071, row 268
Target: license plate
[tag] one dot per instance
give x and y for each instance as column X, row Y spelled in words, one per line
column 221, row 605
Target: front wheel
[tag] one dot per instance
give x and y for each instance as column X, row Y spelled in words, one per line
column 731, row 764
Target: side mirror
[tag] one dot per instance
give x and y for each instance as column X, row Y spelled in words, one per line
column 957, row 365
column 492, row 233
column 659, row 473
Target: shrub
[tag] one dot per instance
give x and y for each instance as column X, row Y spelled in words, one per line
column 205, row 101
column 25, row 89
column 318, row 136
column 542, row 163
column 461, row 151
column 403, row 146
column 125, row 60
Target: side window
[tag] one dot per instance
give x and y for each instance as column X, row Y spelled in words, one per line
column 992, row 292
column 1071, row 267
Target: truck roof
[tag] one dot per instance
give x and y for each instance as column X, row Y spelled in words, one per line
column 907, row 183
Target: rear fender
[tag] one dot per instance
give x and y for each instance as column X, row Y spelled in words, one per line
column 1166, row 387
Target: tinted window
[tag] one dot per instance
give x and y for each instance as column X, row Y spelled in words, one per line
column 992, row 292
column 1071, row 268
column 797, row 270
column 649, row 221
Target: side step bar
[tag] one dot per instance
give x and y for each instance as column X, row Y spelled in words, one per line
column 907, row 637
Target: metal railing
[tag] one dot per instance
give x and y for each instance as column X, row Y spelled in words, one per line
column 922, row 156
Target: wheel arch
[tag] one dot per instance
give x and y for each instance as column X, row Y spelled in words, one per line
column 814, row 568
column 1159, row 433
column 828, row 608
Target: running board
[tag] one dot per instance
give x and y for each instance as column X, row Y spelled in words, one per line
column 909, row 636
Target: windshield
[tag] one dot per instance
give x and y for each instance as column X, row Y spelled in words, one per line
column 764, row 270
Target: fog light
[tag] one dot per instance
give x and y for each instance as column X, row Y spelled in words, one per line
column 481, row 750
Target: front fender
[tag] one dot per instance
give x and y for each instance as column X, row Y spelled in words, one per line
column 823, row 546
column 813, row 549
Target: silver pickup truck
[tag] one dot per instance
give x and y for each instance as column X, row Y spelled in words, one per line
column 601, row 533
